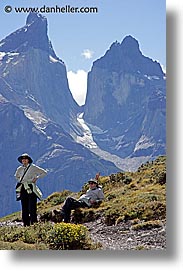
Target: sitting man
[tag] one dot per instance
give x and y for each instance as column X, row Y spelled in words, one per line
column 93, row 195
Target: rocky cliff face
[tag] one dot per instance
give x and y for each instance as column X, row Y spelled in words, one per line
column 36, row 113
column 130, row 110
column 33, row 75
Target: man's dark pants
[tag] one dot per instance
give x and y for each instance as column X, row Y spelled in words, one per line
column 70, row 204
column 29, row 207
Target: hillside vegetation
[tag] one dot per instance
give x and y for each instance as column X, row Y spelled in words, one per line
column 138, row 197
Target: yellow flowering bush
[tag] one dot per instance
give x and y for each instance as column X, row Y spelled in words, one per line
column 66, row 236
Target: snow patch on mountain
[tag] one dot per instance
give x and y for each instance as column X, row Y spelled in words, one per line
column 2, row 54
column 39, row 120
column 3, row 99
column 86, row 139
column 152, row 77
column 143, row 143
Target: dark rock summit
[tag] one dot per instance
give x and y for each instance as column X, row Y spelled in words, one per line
column 131, row 102
column 127, row 57
column 33, row 34
column 30, row 67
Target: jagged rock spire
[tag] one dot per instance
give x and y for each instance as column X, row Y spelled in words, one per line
column 33, row 17
column 127, row 57
column 33, row 34
column 130, row 45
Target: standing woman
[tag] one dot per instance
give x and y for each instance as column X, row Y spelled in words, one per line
column 27, row 175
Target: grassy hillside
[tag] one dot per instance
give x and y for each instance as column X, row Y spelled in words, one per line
column 136, row 196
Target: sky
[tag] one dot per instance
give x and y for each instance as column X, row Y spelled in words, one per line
column 81, row 38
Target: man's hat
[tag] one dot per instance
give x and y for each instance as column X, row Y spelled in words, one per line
column 25, row 156
column 93, row 180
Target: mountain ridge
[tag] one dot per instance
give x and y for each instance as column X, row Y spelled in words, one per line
column 120, row 58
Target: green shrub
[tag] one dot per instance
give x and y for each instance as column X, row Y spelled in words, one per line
column 29, row 236
column 36, row 233
column 57, row 200
column 58, row 197
column 110, row 197
column 11, row 234
column 127, row 180
column 161, row 178
column 32, row 234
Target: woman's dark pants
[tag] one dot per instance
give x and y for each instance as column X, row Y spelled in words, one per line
column 29, row 207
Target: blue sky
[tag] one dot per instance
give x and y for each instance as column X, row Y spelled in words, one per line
column 79, row 39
